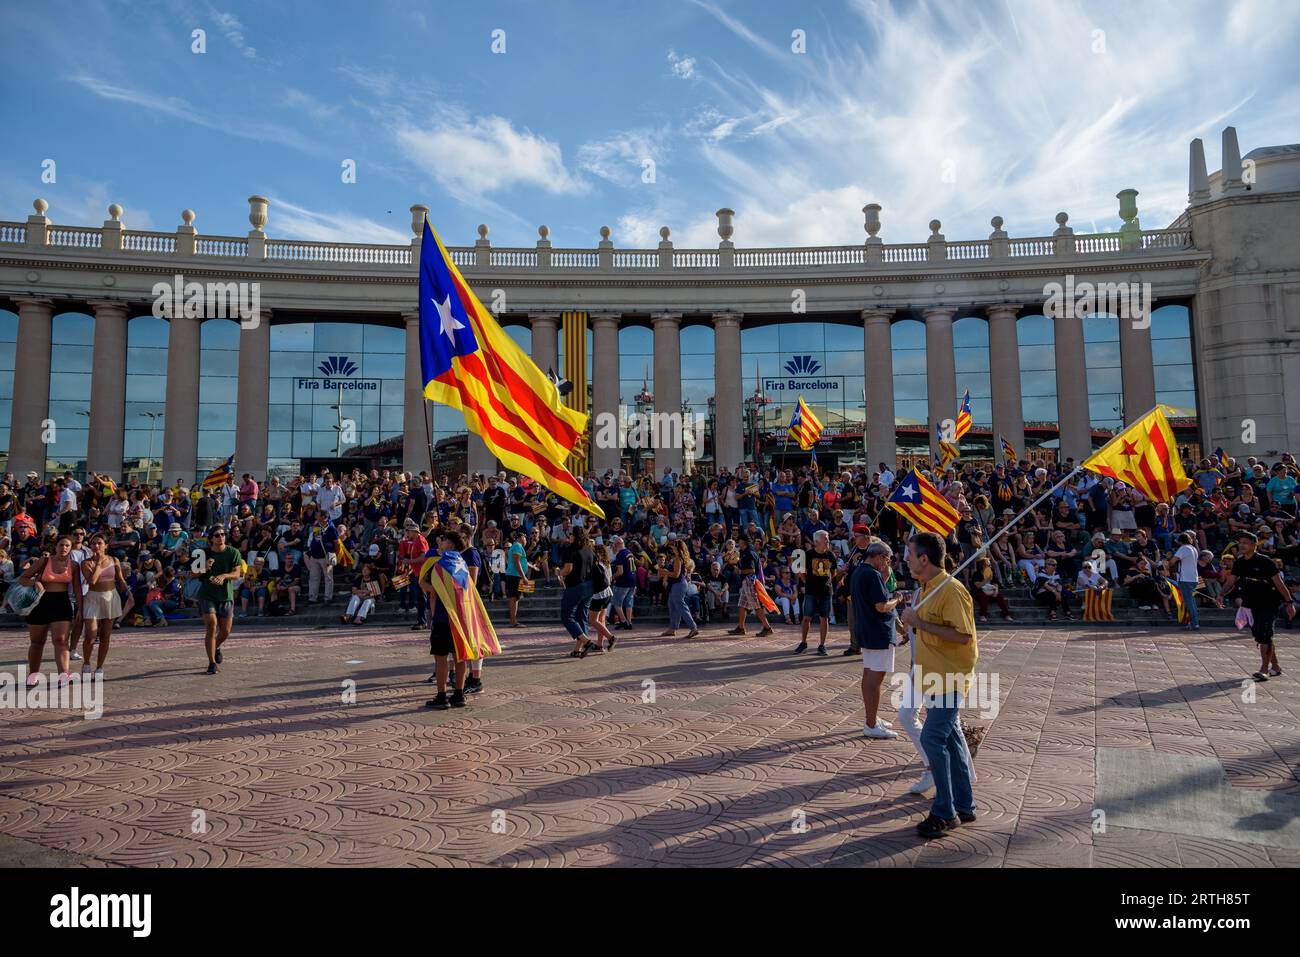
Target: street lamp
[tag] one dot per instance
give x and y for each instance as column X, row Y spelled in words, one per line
column 754, row 405
column 713, row 431
column 645, row 403
column 338, row 429
column 153, row 422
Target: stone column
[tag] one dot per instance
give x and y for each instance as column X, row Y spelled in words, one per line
column 546, row 344
column 181, row 423
column 1004, row 376
column 728, row 392
column 415, row 429
column 1072, row 388
column 668, row 385
column 1137, row 368
column 940, row 368
column 107, row 390
column 878, row 366
column 605, row 375
column 252, row 410
column 31, row 404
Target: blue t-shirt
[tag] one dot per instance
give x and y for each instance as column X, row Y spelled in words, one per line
column 1281, row 489
column 626, row 496
column 624, row 569
column 516, row 551
column 784, row 494
column 873, row 629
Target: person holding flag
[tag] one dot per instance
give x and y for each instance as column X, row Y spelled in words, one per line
column 461, row 629
column 469, row 363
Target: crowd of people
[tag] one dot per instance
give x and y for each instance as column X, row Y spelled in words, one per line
column 771, row 545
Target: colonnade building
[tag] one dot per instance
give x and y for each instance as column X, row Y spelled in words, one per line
column 301, row 353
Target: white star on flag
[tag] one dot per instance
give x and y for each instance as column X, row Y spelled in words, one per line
column 908, row 491
column 449, row 323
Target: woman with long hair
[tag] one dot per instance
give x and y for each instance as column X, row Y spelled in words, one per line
column 102, row 605
column 58, row 578
column 576, row 560
column 677, row 568
column 602, row 586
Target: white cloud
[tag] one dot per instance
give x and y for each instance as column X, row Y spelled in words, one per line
column 683, row 67
column 288, row 220
column 621, row 158
column 476, row 156
column 296, row 99
column 234, row 32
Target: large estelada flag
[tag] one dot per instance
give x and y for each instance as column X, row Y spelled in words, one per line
column 804, row 426
column 469, row 363
column 921, row 504
column 1145, row 456
column 217, row 477
column 1096, row 605
column 471, row 630
column 964, row 420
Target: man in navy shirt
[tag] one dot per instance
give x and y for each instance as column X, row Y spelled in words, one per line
column 624, row 583
column 874, row 627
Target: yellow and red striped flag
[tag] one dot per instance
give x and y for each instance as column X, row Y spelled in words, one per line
column 1181, row 614
column 964, row 420
column 804, row 426
column 217, row 477
column 1096, row 605
column 1145, row 456
column 469, row 363
column 921, row 504
column 472, row 633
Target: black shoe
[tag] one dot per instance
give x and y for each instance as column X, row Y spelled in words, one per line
column 473, row 685
column 803, row 646
column 765, row 632
column 610, row 644
column 417, row 627
column 966, row 817
column 440, row 702
column 219, row 658
column 458, row 699
column 851, row 651
column 432, row 679
column 821, row 651
column 212, row 668
column 935, row 826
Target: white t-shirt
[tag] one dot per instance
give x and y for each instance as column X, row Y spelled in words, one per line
column 1187, row 556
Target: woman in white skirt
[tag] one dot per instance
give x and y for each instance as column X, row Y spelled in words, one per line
column 101, row 605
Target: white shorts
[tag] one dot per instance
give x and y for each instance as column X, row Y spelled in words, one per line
column 878, row 659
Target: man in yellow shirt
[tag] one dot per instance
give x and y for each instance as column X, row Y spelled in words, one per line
column 946, row 652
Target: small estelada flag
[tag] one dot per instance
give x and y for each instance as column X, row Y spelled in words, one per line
column 922, row 504
column 1181, row 613
column 804, row 426
column 471, row 630
column 1008, row 450
column 1096, row 605
column 964, row 420
column 1145, row 456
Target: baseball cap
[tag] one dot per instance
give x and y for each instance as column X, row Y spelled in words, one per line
column 374, row 549
column 861, row 529
column 1247, row 536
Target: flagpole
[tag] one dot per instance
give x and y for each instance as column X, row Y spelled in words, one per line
column 1006, row 528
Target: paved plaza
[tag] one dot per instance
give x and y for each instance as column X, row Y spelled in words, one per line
column 1111, row 747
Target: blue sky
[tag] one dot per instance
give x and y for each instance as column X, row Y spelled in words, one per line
column 951, row 110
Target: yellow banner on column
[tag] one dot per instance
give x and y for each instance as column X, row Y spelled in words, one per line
column 575, row 370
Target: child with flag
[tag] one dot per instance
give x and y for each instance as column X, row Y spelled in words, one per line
column 461, row 630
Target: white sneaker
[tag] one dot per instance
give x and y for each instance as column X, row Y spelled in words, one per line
column 86, row 670
column 879, row 731
column 99, row 674
column 925, row 784
column 880, row 723
column 74, row 656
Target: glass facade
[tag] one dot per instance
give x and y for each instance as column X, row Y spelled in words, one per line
column 8, row 348
column 324, row 374
column 146, row 396
column 72, row 336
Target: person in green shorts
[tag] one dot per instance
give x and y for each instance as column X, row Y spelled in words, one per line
column 222, row 567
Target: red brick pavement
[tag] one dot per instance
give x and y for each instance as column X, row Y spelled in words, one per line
column 746, row 756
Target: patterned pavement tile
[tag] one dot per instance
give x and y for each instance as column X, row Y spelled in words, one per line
column 746, row 758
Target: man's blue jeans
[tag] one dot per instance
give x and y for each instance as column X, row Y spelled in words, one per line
column 941, row 738
column 748, row 515
column 1188, row 592
column 574, row 606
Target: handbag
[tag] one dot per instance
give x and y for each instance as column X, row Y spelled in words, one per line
column 21, row 599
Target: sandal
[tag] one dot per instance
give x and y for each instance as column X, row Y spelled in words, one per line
column 583, row 652
column 612, row 639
